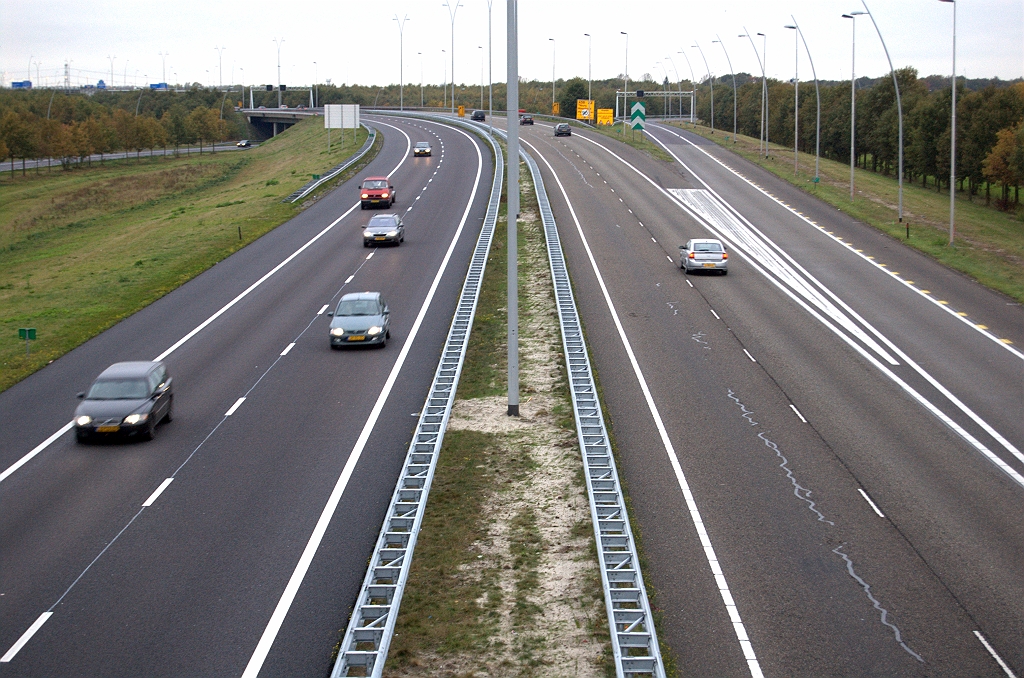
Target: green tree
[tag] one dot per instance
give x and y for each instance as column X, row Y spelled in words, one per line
column 20, row 136
column 574, row 89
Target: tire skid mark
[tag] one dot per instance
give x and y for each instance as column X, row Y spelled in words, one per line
column 805, row 496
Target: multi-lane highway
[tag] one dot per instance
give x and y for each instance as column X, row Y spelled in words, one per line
column 241, row 563
column 846, row 414
column 822, row 449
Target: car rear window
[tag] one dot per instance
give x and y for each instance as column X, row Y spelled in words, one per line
column 707, row 247
column 119, row 389
column 375, row 183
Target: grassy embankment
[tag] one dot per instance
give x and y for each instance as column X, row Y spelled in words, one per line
column 82, row 249
column 989, row 244
column 505, row 579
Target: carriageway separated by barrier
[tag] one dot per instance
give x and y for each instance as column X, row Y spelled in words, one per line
column 634, row 642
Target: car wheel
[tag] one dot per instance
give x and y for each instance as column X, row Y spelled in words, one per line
column 725, row 271
column 82, row 437
column 169, row 417
column 150, row 430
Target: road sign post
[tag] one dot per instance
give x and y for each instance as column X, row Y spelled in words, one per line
column 28, row 334
column 638, row 117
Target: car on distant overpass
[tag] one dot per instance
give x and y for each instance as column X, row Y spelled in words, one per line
column 376, row 191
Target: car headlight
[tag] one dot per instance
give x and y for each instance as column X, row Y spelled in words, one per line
column 135, row 418
column 384, row 194
column 375, row 330
column 364, row 195
column 337, row 332
column 83, row 420
column 392, row 234
column 367, row 233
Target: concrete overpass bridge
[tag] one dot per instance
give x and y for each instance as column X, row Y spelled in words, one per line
column 268, row 122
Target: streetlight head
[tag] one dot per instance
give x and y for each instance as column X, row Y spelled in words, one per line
column 792, row 28
column 587, row 34
column 623, row 33
column 762, row 35
column 847, row 16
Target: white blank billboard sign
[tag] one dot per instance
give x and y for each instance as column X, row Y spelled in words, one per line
column 350, row 116
column 332, row 116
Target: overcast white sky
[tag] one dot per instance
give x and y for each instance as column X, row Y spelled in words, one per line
column 358, row 42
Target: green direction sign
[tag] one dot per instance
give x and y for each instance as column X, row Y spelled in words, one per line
column 27, row 333
column 638, row 116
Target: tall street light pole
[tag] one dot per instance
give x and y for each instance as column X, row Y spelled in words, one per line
column 553, row 44
column 278, row 41
column 693, row 86
column 625, row 86
column 512, row 112
column 490, row 76
column 899, row 107
column 796, row 98
column 451, row 15
column 952, row 137
column 590, row 79
column 163, row 57
column 734, row 98
column 444, row 96
column 316, row 85
column 220, row 66
column 401, row 61
column 481, row 48
column 746, row 34
column 111, row 69
column 679, row 83
column 764, row 88
column 711, row 82
column 817, row 96
column 420, row 55
column 852, row 16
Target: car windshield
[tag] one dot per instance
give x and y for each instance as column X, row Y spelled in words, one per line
column 422, row 144
column 707, row 247
column 119, row 389
column 357, row 307
column 375, row 183
column 383, row 220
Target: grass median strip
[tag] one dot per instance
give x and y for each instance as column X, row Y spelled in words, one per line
column 505, row 579
column 83, row 249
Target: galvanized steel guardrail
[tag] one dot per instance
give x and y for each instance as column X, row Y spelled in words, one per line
column 311, row 186
column 634, row 642
column 364, row 647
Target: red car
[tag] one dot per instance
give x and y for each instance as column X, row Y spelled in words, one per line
column 377, row 191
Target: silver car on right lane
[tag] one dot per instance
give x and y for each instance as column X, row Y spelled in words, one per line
column 704, row 254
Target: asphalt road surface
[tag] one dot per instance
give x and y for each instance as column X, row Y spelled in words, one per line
column 845, row 412
column 210, row 579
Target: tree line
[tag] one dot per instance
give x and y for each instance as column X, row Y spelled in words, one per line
column 72, row 127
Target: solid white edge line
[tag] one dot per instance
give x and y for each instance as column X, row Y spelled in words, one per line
column 322, row 309
column 871, row 503
column 698, row 522
column 25, row 637
column 199, row 328
column 714, row 314
column 288, row 348
column 259, row 655
column 158, row 492
column 991, row 651
column 234, row 407
column 749, row 356
column 36, row 450
column 988, row 428
column 797, row 412
column 863, row 256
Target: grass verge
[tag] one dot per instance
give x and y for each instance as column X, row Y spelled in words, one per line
column 989, row 244
column 82, row 249
column 505, row 580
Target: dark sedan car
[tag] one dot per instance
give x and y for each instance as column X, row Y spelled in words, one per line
column 562, row 129
column 127, row 399
column 525, row 119
column 382, row 229
column 361, row 318
column 479, row 116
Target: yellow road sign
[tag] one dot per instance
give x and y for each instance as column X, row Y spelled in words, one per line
column 584, row 109
column 605, row 116
column 462, row 111
column 555, row 108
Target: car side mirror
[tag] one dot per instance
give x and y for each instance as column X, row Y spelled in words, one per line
column 330, row 313
column 80, row 395
column 682, row 247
